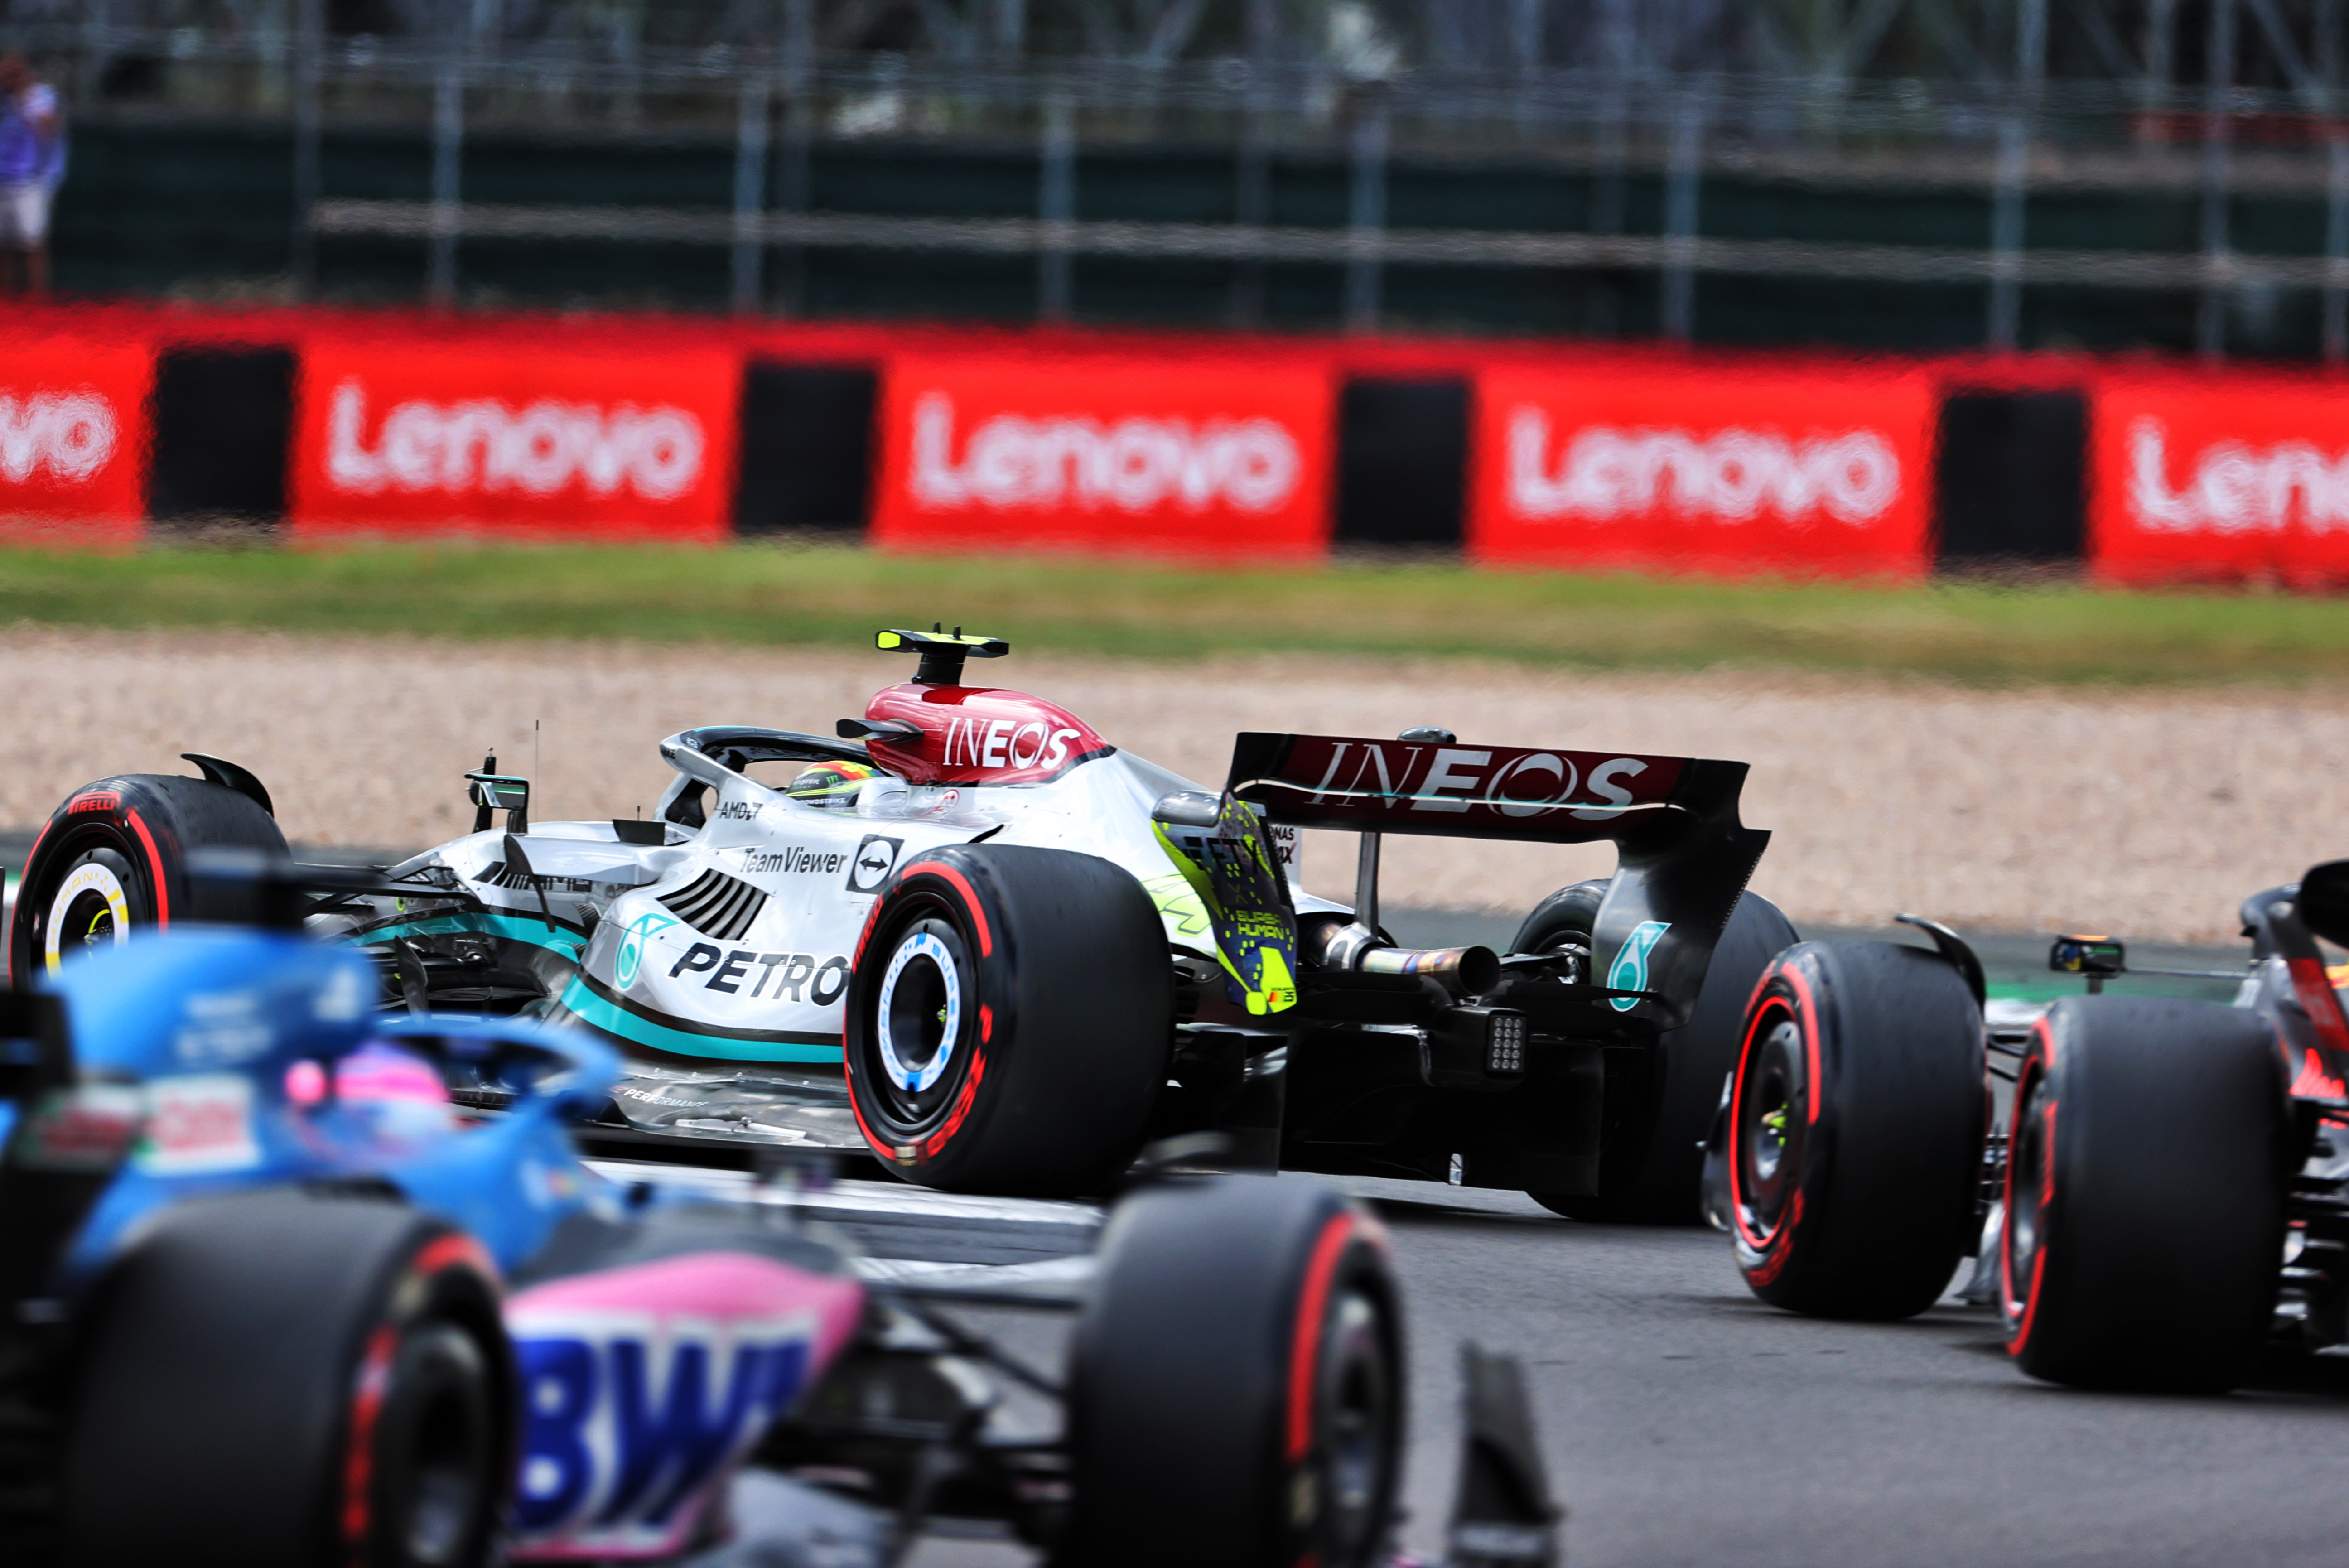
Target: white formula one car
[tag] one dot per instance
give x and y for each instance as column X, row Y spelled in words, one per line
column 975, row 936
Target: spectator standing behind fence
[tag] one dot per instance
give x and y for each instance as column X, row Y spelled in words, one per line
column 32, row 163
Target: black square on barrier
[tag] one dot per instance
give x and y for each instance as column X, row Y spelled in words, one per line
column 807, row 448
column 2008, row 480
column 223, row 429
column 1402, row 462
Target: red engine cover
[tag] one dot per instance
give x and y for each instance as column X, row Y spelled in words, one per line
column 979, row 735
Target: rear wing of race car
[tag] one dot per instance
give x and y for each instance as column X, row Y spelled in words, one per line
column 1682, row 855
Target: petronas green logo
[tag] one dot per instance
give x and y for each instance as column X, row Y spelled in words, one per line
column 1629, row 969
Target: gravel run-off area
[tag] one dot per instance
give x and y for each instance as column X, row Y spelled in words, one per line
column 2146, row 813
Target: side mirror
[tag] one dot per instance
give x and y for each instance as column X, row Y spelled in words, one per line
column 2324, row 901
column 1188, row 808
column 2095, row 956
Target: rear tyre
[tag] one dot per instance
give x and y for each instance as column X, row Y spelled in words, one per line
column 355, row 1347
column 1235, row 1383
column 1660, row 1103
column 114, row 858
column 2143, row 1206
column 1011, row 1012
column 1855, row 1130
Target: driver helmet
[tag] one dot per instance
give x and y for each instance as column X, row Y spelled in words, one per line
column 831, row 786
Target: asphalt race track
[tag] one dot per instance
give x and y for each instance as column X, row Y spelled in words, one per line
column 1685, row 1423
column 1688, row 1424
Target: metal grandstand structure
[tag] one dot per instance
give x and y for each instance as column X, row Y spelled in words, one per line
column 2005, row 100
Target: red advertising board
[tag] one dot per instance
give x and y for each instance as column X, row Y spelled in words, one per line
column 2219, row 477
column 1202, row 455
column 518, row 437
column 1796, row 470
column 73, row 430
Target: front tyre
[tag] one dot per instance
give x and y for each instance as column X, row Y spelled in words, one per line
column 2145, row 1193
column 286, row 1380
column 1235, row 1383
column 114, row 858
column 1856, row 1127
column 1011, row 1011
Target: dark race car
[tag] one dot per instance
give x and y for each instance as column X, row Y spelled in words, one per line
column 976, row 938
column 268, row 1300
column 2155, row 1189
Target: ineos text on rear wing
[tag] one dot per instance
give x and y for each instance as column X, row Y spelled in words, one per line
column 1684, row 857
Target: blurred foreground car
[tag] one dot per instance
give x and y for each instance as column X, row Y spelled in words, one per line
column 2155, row 1189
column 977, row 938
column 270, row 1300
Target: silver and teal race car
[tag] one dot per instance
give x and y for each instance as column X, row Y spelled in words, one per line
column 967, row 932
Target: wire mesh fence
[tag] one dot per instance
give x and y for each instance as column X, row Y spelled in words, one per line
column 1651, row 111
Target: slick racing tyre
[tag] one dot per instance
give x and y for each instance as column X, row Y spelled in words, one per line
column 1659, row 1104
column 1010, row 1014
column 114, row 857
column 285, row 1380
column 1856, row 1127
column 1235, row 1383
column 2145, row 1191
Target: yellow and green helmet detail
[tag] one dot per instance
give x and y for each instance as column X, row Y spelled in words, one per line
column 831, row 786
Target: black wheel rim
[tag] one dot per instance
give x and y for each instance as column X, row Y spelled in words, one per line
column 440, row 1471
column 2024, row 1235
column 1772, row 1118
column 448, row 1464
column 89, row 922
column 922, row 1025
column 1358, row 1423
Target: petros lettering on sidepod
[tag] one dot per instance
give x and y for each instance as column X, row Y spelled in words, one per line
column 1451, row 789
column 1628, row 972
column 777, row 977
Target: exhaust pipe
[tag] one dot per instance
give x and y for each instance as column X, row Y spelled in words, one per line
column 1464, row 972
column 1468, row 971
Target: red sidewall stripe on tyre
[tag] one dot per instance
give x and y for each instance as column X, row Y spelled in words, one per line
column 454, row 1250
column 155, row 859
column 1305, row 1356
column 1806, row 1016
column 969, row 899
column 1737, row 1128
column 2044, row 1039
column 359, row 1463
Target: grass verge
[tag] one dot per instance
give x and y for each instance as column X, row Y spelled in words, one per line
column 805, row 593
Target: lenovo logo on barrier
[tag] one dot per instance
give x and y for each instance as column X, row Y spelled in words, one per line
column 64, row 437
column 1731, row 476
column 1136, row 464
column 487, row 445
column 2232, row 487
